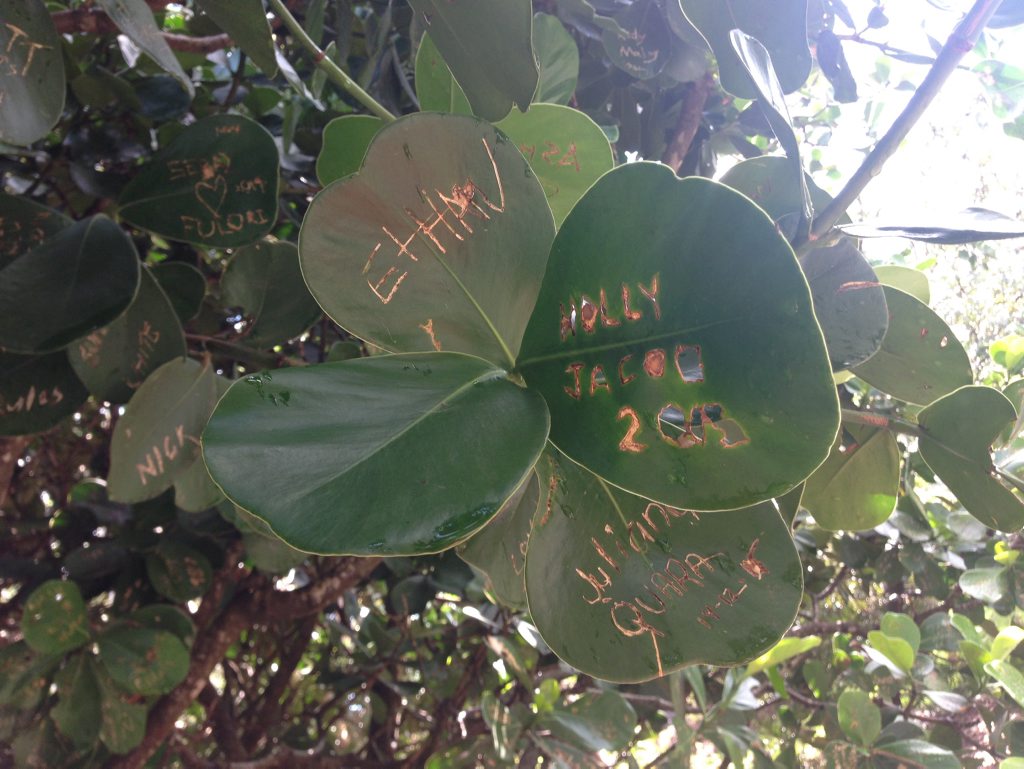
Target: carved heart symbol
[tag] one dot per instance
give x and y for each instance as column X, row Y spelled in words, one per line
column 212, row 194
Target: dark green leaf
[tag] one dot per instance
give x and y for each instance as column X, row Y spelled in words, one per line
column 594, row 722
column 859, row 718
column 25, row 675
column 77, row 713
column 628, row 590
column 246, row 22
column 967, row 226
column 834, row 66
column 184, row 286
column 115, row 360
column 642, row 44
column 559, row 60
column 436, row 89
column 264, row 279
column 88, row 272
column 694, row 362
column 913, row 753
column 37, row 392
column 856, row 488
column 178, row 571
column 144, row 661
column 990, row 585
column 32, row 75
column 345, row 140
column 486, row 43
column 418, row 251
column 24, row 225
column 194, row 489
column 54, row 619
column 957, row 445
column 215, row 184
column 849, row 303
column 914, row 282
column 123, row 723
column 164, row 617
column 768, row 182
column 157, row 438
column 901, row 626
column 433, row 444
column 567, row 151
column 135, row 19
column 780, row 26
column 920, row 358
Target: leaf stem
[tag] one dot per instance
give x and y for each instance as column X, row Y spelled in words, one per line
column 871, row 419
column 962, row 40
column 684, row 734
column 334, row 73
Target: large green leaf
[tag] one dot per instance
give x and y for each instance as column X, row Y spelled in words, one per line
column 54, row 618
column 957, row 445
column 135, row 19
column 142, row 660
column 768, row 182
column 31, row 72
column 88, row 274
column 920, row 359
column 384, row 455
column 486, row 44
column 123, row 723
column 499, row 548
column 558, row 57
column 641, row 44
column 566, row 149
column 781, row 27
column 345, row 140
column 24, row 225
column 419, row 250
column 37, row 392
column 436, row 89
column 859, row 718
column 115, row 360
column 691, row 364
column 596, row 721
column 264, row 279
column 215, row 184
column 914, row 282
column 184, row 286
column 628, row 590
column 856, row 488
column 848, row 302
column 178, row 571
column 246, row 22
column 77, row 713
column 157, row 438
column 1009, row 677
column 917, row 754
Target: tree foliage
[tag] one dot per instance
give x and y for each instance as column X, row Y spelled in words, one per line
column 401, row 384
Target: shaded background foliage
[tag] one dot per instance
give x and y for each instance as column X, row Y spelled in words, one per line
column 210, row 643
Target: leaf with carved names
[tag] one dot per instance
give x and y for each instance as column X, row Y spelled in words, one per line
column 32, row 72
column 37, row 392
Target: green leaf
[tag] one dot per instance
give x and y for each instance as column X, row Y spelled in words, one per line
column 135, row 19
column 184, row 287
column 780, row 26
column 246, row 22
column 24, row 225
column 115, row 360
column 692, row 363
column 768, row 181
column 194, row 489
column 784, row 650
column 32, row 78
column 558, row 57
column 178, row 571
column 436, row 89
column 486, row 43
column 914, row 282
column 418, row 250
column 157, row 438
column 848, row 303
column 144, row 661
column 499, row 548
column 859, row 718
column 603, row 721
column 1008, row 352
column 25, row 675
column 957, row 445
column 901, row 626
column 582, row 12
column 856, row 488
column 264, row 279
column 433, row 444
column 215, row 184
column 88, row 272
column 37, row 392
column 164, row 617
column 920, row 358
column 757, row 65
column 628, row 590
column 834, row 66
column 913, row 753
column 77, row 713
column 123, row 723
column 894, row 648
column 988, row 585
column 1008, row 639
column 642, row 45
column 345, row 140
column 54, row 619
column 566, row 150
column 967, row 226
column 951, row 702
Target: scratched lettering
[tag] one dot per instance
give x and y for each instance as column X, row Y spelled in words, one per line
column 19, row 51
column 168, row 448
column 31, row 399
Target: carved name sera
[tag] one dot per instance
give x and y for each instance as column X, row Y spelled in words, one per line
column 168, row 449
column 447, row 219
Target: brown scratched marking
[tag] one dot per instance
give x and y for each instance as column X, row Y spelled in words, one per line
column 622, row 376
column 429, row 328
column 598, row 380
column 654, row 363
column 169, row 448
column 628, row 442
column 752, row 565
column 574, row 369
column 32, row 398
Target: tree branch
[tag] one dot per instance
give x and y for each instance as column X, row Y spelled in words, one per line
column 690, row 115
column 93, row 21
